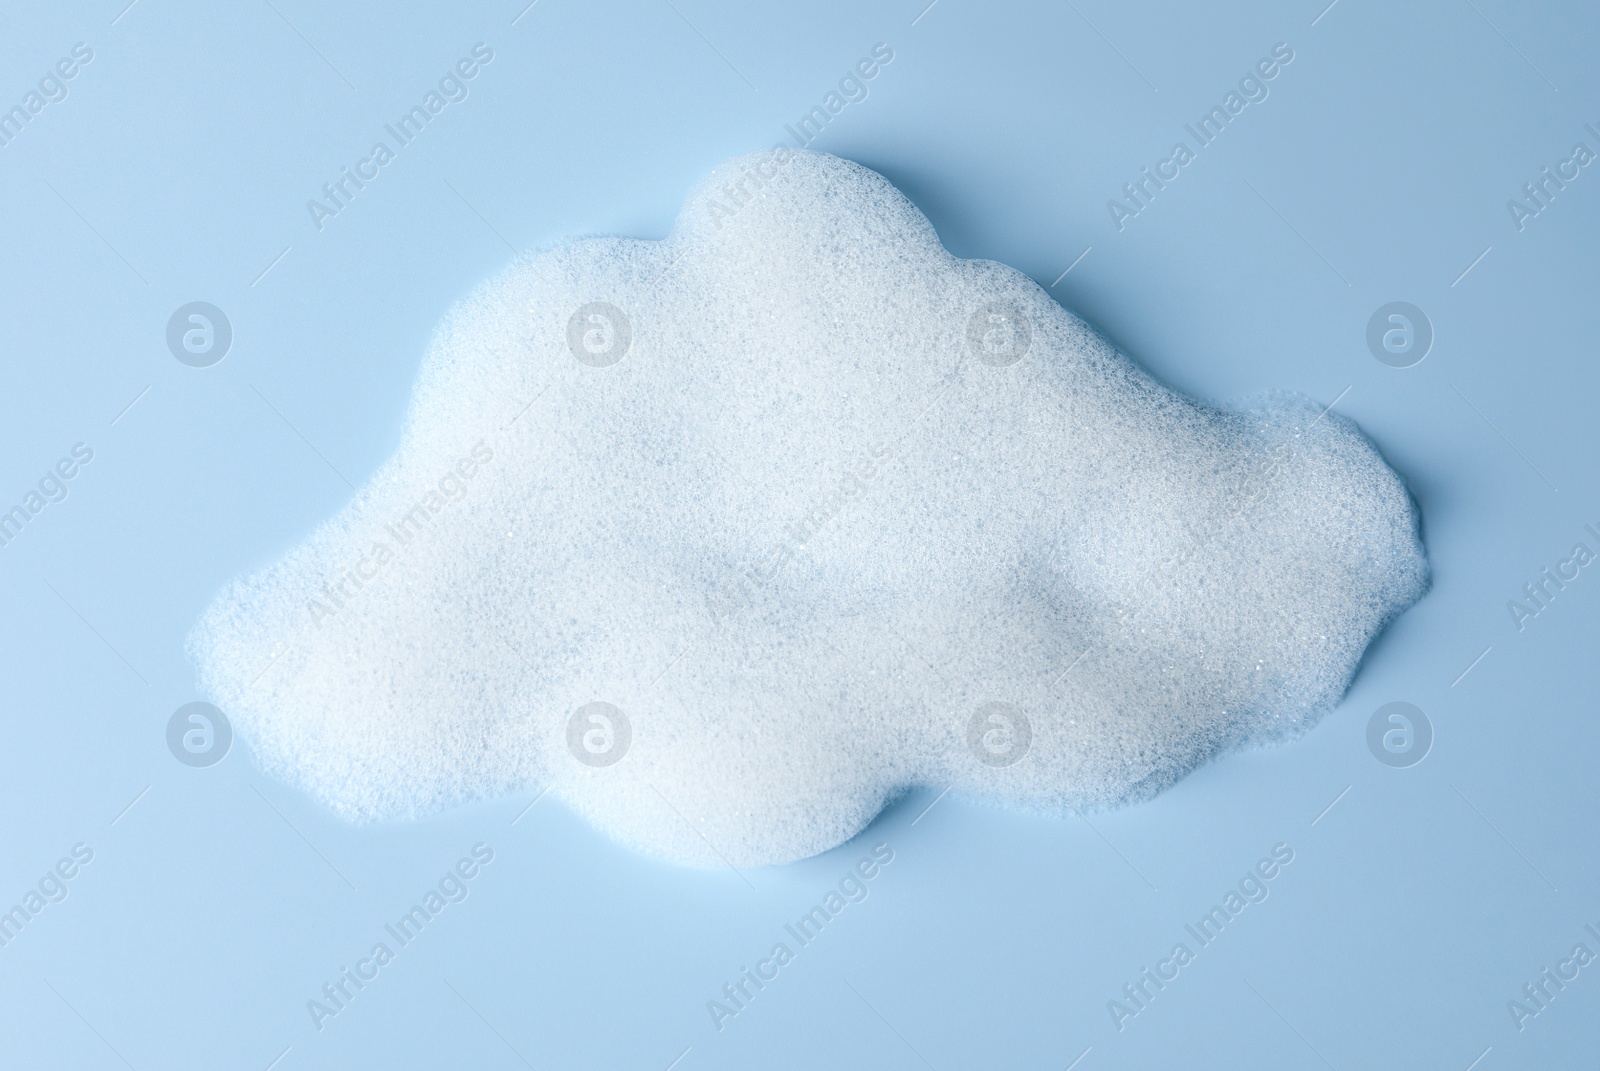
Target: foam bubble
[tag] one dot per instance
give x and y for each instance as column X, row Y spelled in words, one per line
column 727, row 539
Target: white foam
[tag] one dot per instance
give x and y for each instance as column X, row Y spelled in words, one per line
column 1145, row 580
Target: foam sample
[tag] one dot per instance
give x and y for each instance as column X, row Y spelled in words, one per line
column 729, row 539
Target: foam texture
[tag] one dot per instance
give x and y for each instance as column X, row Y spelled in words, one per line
column 823, row 513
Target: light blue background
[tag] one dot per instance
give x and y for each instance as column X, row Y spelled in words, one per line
column 1378, row 170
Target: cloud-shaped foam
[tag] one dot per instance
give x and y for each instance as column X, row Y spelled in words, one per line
column 728, row 539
